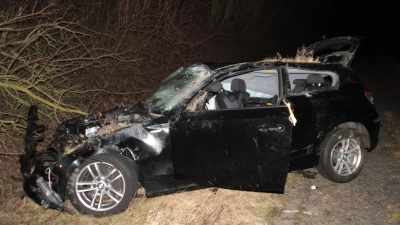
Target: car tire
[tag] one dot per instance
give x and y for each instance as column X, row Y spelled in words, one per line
column 341, row 157
column 103, row 185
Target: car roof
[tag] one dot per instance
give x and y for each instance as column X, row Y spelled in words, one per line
column 220, row 66
column 345, row 73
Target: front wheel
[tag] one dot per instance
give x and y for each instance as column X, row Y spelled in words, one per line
column 103, row 185
column 341, row 156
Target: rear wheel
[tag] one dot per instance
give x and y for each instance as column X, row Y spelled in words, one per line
column 341, row 156
column 103, row 185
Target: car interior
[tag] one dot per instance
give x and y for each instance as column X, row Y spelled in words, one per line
column 254, row 89
column 261, row 88
column 310, row 81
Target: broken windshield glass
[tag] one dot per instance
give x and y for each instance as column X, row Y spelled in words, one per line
column 178, row 88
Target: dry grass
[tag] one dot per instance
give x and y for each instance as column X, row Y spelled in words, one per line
column 193, row 207
column 391, row 144
column 391, row 147
column 195, row 103
column 207, row 207
column 394, row 213
column 302, row 56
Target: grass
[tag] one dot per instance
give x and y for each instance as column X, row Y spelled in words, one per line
column 193, row 207
column 302, row 56
column 391, row 145
column 394, row 213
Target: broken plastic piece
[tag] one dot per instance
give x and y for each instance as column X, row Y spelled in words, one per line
column 49, row 196
column 292, row 118
column 214, row 190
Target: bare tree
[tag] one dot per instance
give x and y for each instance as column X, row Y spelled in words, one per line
column 70, row 60
column 42, row 52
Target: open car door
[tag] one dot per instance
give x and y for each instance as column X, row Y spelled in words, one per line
column 246, row 149
column 335, row 50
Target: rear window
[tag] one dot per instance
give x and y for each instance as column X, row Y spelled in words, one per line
column 312, row 81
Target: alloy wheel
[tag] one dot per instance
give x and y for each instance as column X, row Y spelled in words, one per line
column 100, row 186
column 345, row 157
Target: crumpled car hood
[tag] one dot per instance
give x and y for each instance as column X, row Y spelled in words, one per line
column 73, row 132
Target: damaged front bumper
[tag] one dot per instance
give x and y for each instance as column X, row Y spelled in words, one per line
column 128, row 131
column 117, row 131
column 38, row 189
column 45, row 174
column 46, row 184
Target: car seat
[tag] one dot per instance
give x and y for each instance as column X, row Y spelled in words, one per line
column 300, row 85
column 314, row 82
column 238, row 87
column 223, row 101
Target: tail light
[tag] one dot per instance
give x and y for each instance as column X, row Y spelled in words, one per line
column 368, row 94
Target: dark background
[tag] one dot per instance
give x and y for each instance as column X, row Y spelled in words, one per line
column 376, row 21
column 149, row 39
column 283, row 26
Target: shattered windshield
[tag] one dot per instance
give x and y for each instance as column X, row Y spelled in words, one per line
column 177, row 88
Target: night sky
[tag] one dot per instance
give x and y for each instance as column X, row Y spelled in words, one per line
column 376, row 21
column 303, row 22
column 284, row 25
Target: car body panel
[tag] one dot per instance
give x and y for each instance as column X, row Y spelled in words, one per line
column 320, row 112
column 245, row 149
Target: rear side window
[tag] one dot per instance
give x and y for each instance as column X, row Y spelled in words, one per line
column 303, row 81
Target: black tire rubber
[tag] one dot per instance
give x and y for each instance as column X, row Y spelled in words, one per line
column 324, row 166
column 121, row 163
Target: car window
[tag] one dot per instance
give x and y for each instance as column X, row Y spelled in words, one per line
column 177, row 89
column 303, row 81
column 259, row 84
column 254, row 89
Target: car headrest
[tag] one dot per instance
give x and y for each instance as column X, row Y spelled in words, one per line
column 299, row 81
column 216, row 87
column 238, row 85
column 315, row 79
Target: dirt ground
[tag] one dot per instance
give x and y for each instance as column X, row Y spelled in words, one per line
column 374, row 196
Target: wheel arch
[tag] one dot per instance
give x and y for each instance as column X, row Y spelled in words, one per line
column 138, row 169
column 357, row 128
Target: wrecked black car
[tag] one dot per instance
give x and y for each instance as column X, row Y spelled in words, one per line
column 239, row 126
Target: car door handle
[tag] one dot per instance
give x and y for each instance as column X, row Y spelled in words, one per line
column 278, row 128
